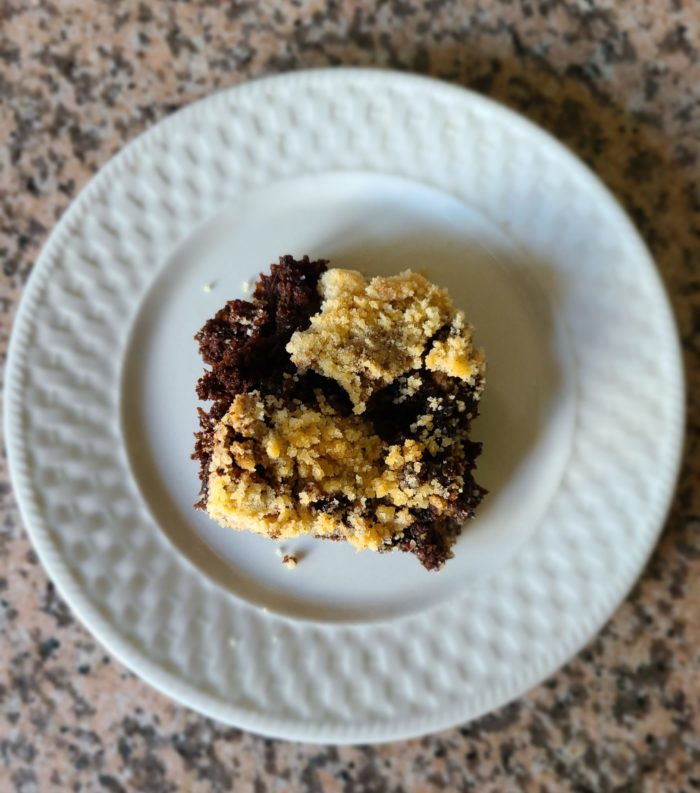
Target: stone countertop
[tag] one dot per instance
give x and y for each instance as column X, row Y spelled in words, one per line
column 617, row 82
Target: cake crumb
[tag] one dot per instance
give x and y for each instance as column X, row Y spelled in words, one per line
column 209, row 287
column 290, row 561
column 279, row 551
column 246, row 286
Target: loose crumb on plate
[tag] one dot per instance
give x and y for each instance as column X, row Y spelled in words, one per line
column 290, row 561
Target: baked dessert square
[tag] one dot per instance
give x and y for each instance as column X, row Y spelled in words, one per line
column 341, row 407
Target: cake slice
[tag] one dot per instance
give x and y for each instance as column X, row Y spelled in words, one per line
column 341, row 408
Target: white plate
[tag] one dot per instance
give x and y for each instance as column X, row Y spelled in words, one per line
column 581, row 422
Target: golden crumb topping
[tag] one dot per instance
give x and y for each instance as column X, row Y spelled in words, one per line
column 285, row 469
column 368, row 333
column 455, row 355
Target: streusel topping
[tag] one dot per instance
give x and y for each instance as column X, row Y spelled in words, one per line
column 367, row 333
column 284, row 470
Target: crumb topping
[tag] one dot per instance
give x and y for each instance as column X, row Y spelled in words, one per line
column 280, row 470
column 368, row 333
column 456, row 355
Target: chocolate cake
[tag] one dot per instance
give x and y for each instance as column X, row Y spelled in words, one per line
column 341, row 408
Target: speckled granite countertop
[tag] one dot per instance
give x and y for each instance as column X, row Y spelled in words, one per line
column 619, row 83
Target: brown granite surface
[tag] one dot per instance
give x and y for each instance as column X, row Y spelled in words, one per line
column 620, row 84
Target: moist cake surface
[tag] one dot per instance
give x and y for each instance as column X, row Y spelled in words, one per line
column 341, row 408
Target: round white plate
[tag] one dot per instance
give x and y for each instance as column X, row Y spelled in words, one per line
column 581, row 421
